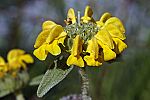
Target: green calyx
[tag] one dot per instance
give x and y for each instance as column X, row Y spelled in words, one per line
column 85, row 30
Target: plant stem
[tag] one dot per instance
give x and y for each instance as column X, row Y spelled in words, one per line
column 19, row 95
column 85, row 84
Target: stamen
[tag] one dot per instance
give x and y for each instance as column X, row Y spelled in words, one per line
column 79, row 18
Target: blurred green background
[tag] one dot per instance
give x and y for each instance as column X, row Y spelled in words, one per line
column 126, row 79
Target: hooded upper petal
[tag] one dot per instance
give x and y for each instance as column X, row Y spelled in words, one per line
column 116, row 21
column 105, row 37
column 103, row 19
column 87, row 15
column 41, row 38
column 71, row 18
column 115, row 32
column 55, row 32
column 113, row 25
column 14, row 54
column 47, row 25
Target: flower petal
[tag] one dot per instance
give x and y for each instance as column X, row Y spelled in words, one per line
column 78, row 61
column 87, row 15
column 92, row 62
column 3, row 65
column 116, row 21
column 119, row 45
column 22, row 64
column 2, row 61
column 61, row 37
column 41, row 53
column 62, row 34
column 93, row 48
column 47, row 25
column 14, row 54
column 77, row 46
column 71, row 16
column 103, row 19
column 55, row 32
column 93, row 59
column 41, row 38
column 26, row 58
column 75, row 58
column 14, row 65
column 115, row 31
column 107, row 52
column 53, row 48
column 88, row 11
column 105, row 37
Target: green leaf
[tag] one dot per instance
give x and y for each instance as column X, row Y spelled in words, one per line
column 6, row 86
column 9, row 84
column 51, row 78
column 21, row 80
column 36, row 80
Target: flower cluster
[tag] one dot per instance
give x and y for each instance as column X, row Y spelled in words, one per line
column 17, row 59
column 89, row 42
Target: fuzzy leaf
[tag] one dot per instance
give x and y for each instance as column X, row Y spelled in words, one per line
column 9, row 84
column 51, row 78
column 6, row 86
column 36, row 80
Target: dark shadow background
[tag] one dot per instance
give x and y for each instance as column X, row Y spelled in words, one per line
column 126, row 79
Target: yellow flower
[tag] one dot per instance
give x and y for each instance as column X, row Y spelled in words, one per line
column 88, row 42
column 94, row 59
column 49, row 39
column 75, row 58
column 17, row 59
column 3, row 67
column 87, row 15
column 116, row 29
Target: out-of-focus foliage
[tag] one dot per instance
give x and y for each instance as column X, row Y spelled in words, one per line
column 20, row 22
column 9, row 84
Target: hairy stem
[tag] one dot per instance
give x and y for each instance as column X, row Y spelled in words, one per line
column 85, row 84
